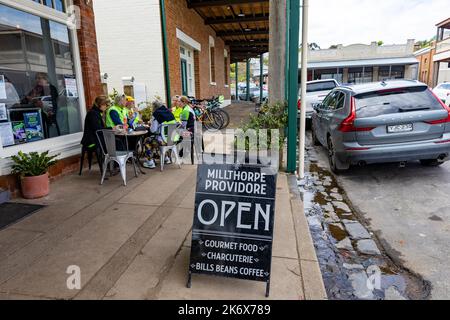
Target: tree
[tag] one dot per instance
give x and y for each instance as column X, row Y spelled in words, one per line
column 313, row 46
column 380, row 43
column 334, row 46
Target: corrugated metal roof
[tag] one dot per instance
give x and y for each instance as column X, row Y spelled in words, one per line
column 361, row 63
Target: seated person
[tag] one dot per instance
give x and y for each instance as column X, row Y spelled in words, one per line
column 117, row 114
column 161, row 115
column 134, row 118
column 93, row 123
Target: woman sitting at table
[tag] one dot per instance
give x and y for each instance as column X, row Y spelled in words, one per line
column 93, row 123
column 161, row 115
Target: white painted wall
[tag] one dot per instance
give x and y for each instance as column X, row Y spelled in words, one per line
column 130, row 44
column 444, row 72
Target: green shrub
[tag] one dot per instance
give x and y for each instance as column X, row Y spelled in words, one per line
column 33, row 164
column 271, row 116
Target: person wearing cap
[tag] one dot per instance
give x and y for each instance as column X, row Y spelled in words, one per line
column 132, row 113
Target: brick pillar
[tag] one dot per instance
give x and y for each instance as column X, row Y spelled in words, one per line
column 87, row 41
column 197, row 74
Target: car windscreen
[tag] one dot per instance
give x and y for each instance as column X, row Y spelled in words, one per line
column 397, row 100
column 320, row 86
column 444, row 86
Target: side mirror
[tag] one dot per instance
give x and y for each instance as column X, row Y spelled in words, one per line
column 317, row 106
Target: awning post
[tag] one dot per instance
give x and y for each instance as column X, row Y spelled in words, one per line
column 292, row 43
column 304, row 79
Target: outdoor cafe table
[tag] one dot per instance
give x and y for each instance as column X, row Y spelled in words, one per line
column 139, row 135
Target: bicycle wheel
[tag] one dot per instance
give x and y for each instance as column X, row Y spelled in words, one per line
column 225, row 116
column 208, row 120
column 218, row 120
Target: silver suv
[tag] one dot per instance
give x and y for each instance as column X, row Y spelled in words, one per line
column 395, row 121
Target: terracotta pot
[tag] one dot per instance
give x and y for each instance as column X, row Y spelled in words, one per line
column 35, row 187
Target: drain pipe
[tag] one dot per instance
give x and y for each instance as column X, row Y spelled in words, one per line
column 165, row 51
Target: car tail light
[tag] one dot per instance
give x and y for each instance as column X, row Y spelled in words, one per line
column 299, row 104
column 440, row 121
column 348, row 125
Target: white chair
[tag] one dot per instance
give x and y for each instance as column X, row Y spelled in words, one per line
column 169, row 134
column 107, row 140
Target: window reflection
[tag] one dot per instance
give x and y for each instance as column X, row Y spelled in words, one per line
column 39, row 99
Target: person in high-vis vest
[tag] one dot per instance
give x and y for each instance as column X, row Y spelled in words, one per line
column 177, row 108
column 117, row 114
column 187, row 116
column 161, row 115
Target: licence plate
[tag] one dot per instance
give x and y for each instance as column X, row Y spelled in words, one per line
column 400, row 128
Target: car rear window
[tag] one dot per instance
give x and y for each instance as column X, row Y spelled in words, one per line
column 394, row 101
column 445, row 86
column 320, row 86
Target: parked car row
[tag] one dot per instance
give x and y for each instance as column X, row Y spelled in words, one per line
column 442, row 91
column 393, row 121
column 316, row 91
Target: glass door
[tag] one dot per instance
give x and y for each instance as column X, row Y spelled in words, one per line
column 184, row 81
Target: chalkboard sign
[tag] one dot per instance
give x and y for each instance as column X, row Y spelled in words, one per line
column 233, row 222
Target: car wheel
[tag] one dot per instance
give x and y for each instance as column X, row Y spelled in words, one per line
column 315, row 141
column 335, row 164
column 431, row 162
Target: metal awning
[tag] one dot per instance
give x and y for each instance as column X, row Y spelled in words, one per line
column 242, row 24
column 362, row 63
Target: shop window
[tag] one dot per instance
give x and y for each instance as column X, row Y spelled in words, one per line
column 360, row 75
column 326, row 74
column 128, row 90
column 212, row 63
column 39, row 96
column 391, row 72
column 55, row 4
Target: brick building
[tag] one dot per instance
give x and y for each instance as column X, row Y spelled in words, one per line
column 49, row 75
column 425, row 58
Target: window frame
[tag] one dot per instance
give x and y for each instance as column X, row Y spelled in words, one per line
column 63, row 143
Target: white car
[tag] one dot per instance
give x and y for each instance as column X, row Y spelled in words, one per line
column 442, row 91
column 316, row 91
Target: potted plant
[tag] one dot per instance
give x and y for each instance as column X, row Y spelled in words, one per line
column 32, row 169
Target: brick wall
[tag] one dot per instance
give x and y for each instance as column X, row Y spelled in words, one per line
column 426, row 67
column 87, row 41
column 187, row 20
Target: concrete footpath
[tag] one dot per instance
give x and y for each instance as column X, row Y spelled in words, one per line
column 134, row 243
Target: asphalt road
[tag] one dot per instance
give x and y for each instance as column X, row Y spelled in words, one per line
column 409, row 211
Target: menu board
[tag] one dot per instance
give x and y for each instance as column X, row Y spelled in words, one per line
column 233, row 222
column 33, row 126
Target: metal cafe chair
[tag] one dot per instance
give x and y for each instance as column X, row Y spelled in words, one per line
column 111, row 154
column 168, row 135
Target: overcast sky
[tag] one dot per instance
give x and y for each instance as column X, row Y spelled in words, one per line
column 362, row 21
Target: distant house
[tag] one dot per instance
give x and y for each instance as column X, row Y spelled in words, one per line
column 441, row 57
column 361, row 63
